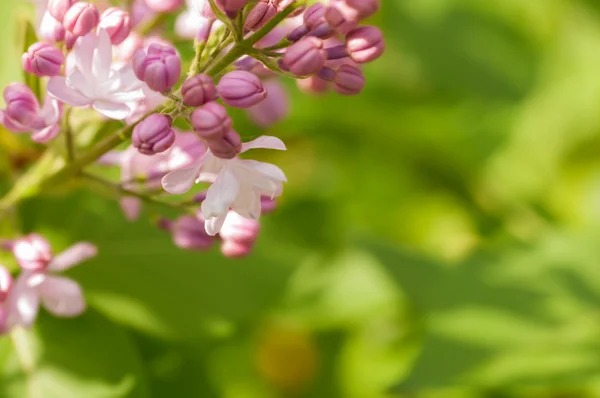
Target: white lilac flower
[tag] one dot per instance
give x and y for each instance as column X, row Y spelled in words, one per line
column 237, row 184
column 38, row 282
column 94, row 80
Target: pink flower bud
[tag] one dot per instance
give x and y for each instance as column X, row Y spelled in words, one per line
column 341, row 17
column 198, row 90
column 189, row 233
column 153, row 135
column 51, row 29
column 241, row 89
column 6, row 282
column 33, row 252
column 348, row 80
column 226, row 147
column 159, row 67
column 4, row 326
column 239, row 235
column 70, row 40
column 314, row 15
column 365, row 44
column 364, row 8
column 81, row 18
column 58, row 8
column 261, row 14
column 305, row 57
column 164, row 5
column 267, row 204
column 313, row 85
column 211, row 121
column 232, row 6
column 274, row 108
column 22, row 107
column 42, row 59
column 117, row 24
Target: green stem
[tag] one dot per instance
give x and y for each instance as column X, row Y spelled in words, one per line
column 226, row 59
column 269, row 26
column 66, row 128
column 126, row 192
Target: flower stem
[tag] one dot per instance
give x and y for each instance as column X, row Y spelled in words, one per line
column 127, row 192
column 66, row 128
column 269, row 26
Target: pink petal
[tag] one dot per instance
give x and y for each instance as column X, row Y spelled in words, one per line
column 6, row 282
column 74, row 255
column 23, row 302
column 264, row 142
column 46, row 134
column 131, row 207
column 112, row 110
column 180, row 181
column 12, row 125
column 268, row 170
column 57, row 87
column 84, row 53
column 62, row 296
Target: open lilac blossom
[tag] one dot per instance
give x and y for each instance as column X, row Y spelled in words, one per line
column 59, row 295
column 237, row 184
column 95, row 82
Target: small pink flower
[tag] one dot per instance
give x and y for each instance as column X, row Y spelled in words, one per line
column 164, row 5
column 59, row 295
column 198, row 90
column 51, row 30
column 239, row 235
column 365, row 44
column 58, row 8
column 153, row 134
column 348, row 80
column 211, row 121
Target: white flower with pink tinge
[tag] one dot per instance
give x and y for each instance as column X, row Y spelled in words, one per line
column 38, row 283
column 95, row 81
column 237, row 184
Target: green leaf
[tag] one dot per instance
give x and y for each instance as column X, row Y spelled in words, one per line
column 87, row 356
column 28, row 37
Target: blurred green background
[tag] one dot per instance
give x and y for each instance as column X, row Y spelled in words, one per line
column 439, row 235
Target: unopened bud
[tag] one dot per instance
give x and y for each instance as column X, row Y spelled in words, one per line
column 81, row 18
column 305, row 57
column 42, row 59
column 365, row 44
column 159, row 67
column 153, row 135
column 198, row 90
column 211, row 121
column 261, row 14
column 226, row 147
column 241, row 89
column 348, row 80
column 117, row 24
column 58, row 8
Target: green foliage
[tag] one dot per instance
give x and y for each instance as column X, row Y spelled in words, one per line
column 438, row 236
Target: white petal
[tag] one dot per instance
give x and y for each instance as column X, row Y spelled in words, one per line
column 84, row 53
column 74, row 255
column 127, row 96
column 57, row 87
column 220, row 195
column 180, row 181
column 87, row 86
column 268, row 170
column 102, row 56
column 51, row 111
column 62, row 296
column 112, row 110
column 213, row 225
column 23, row 302
column 248, row 204
column 265, row 142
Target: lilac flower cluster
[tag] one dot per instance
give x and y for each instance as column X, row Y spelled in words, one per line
column 114, row 61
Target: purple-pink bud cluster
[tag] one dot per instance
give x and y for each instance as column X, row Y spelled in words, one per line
column 43, row 59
